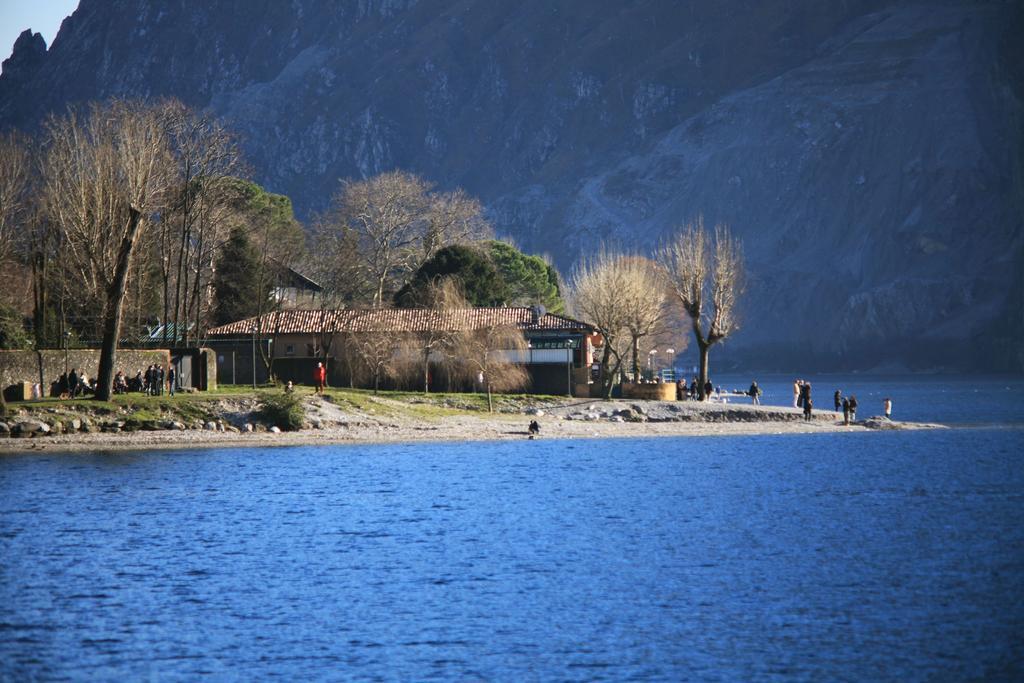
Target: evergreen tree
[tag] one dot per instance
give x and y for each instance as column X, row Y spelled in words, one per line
column 236, row 280
column 529, row 279
column 474, row 271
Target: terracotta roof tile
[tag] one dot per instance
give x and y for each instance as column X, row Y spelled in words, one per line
column 399, row 320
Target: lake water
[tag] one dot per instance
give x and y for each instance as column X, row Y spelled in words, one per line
column 880, row 556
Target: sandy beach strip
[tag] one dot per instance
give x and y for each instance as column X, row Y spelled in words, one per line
column 571, row 420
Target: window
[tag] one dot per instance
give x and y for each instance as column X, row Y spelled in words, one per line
column 289, row 350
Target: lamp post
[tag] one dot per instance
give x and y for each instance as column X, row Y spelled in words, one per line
column 671, row 353
column 568, row 367
column 67, row 342
column 650, row 361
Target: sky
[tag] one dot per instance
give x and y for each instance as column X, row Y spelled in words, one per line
column 42, row 16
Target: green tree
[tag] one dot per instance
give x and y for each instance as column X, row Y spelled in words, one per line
column 12, row 330
column 236, row 280
column 480, row 281
column 528, row 278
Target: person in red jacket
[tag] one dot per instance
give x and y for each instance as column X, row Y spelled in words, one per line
column 320, row 377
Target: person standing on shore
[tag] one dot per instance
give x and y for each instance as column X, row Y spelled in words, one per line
column 846, row 411
column 755, row 393
column 805, row 392
column 887, row 407
column 838, row 399
column 320, row 377
column 807, row 408
column 708, row 388
column 796, row 393
column 853, row 409
column 172, row 377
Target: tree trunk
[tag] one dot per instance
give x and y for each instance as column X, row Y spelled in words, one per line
column 636, row 359
column 607, row 377
column 426, row 371
column 490, row 402
column 704, row 348
column 115, row 300
column 39, row 296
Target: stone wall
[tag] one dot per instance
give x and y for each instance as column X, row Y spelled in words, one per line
column 650, row 392
column 45, row 367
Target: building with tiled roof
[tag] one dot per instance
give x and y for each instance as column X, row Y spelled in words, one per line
column 412, row 320
column 559, row 354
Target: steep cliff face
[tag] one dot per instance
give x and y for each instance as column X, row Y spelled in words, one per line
column 869, row 153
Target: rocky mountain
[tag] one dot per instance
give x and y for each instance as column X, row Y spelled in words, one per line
column 868, row 152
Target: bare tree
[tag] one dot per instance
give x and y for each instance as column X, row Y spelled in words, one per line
column 452, row 218
column 396, row 224
column 434, row 344
column 14, row 178
column 707, row 276
column 377, row 350
column 643, row 297
column 205, row 156
column 105, row 176
column 387, row 213
column 15, row 164
column 489, row 354
column 336, row 263
column 594, row 293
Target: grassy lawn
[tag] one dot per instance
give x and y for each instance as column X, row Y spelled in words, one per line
column 188, row 407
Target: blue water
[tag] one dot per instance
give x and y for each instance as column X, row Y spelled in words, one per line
column 982, row 400
column 879, row 556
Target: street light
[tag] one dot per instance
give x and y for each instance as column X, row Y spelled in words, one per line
column 650, row 361
column 67, row 342
column 568, row 367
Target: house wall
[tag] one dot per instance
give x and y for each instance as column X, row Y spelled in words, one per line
column 548, row 369
column 233, row 362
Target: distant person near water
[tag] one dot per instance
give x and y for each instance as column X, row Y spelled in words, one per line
column 320, row 377
column 805, row 392
column 846, row 411
column 853, row 409
column 755, row 393
column 796, row 393
column 808, row 404
column 887, row 407
column 708, row 389
column 838, row 399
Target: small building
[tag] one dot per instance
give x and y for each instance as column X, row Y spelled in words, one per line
column 293, row 289
column 557, row 358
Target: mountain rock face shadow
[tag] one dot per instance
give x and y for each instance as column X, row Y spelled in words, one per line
column 868, row 153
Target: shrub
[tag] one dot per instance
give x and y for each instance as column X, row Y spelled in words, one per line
column 283, row 410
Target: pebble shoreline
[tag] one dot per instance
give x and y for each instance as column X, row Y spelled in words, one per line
column 570, row 419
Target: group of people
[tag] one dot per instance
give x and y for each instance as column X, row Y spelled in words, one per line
column 848, row 404
column 692, row 391
column 802, row 397
column 74, row 384
column 153, row 381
